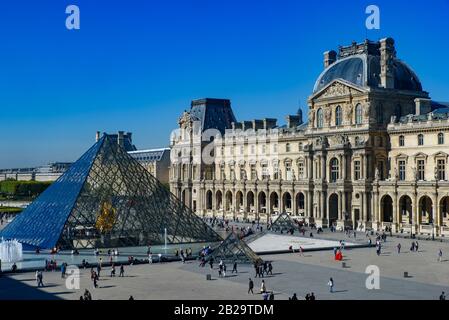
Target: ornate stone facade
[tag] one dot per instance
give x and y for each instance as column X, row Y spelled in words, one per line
column 371, row 156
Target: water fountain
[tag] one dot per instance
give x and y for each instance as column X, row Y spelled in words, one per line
column 10, row 251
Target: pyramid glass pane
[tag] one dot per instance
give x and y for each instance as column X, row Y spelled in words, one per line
column 115, row 203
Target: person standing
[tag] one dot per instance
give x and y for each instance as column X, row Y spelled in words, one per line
column 331, row 285
column 312, row 296
column 63, row 270
column 440, row 255
column 122, row 271
column 250, row 286
column 263, row 287
column 399, row 248
column 442, row 296
column 416, row 246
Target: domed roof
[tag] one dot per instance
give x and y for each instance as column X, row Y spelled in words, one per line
column 364, row 70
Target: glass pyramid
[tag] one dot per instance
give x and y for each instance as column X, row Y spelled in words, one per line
column 233, row 249
column 107, row 199
column 283, row 223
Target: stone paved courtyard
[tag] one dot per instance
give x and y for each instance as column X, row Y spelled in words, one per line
column 292, row 274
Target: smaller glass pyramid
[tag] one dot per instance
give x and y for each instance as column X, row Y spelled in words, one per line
column 283, row 223
column 233, row 249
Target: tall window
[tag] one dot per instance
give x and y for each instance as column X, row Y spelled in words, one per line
column 420, row 170
column 334, row 170
column 358, row 114
column 319, row 118
column 441, row 169
column 287, row 147
column 275, row 148
column 265, row 173
column 222, row 173
column 288, row 171
column 338, row 116
column 301, row 169
column 253, row 149
column 401, row 165
column 420, row 140
column 380, row 114
column 253, row 172
column 401, row 141
column 357, row 175
column 232, row 172
column 441, row 138
column 242, row 173
column 300, row 146
column 275, row 171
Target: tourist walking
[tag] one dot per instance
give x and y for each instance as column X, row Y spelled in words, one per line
column 234, row 267
column 122, row 271
column 270, row 268
column 440, row 255
column 331, row 285
column 112, row 270
column 399, row 248
column 250, row 286
column 416, row 246
column 39, row 278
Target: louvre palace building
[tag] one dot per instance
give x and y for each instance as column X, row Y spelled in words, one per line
column 372, row 155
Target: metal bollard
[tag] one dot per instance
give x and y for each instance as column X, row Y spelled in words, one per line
column 208, row 277
column 343, row 264
column 405, row 274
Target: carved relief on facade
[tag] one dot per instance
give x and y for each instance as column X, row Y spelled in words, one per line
column 335, row 90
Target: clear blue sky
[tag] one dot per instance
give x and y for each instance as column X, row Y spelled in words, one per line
column 136, row 65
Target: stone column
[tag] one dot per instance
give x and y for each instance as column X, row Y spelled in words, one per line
column 415, row 215
column 340, row 206
column 436, row 213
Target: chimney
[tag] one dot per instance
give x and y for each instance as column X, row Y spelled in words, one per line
column 236, row 125
column 97, row 136
column 422, row 106
column 120, row 139
column 246, row 125
column 269, row 123
column 329, row 58
column 387, row 55
column 293, row 121
column 257, row 124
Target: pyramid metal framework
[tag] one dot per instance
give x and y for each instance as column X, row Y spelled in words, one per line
column 283, row 223
column 233, row 249
column 107, row 199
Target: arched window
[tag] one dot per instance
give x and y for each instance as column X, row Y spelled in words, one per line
column 335, row 170
column 338, row 116
column 319, row 118
column 420, row 140
column 401, row 141
column 358, row 114
column 441, row 138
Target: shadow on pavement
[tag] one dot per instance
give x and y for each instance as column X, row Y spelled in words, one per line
column 12, row 289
